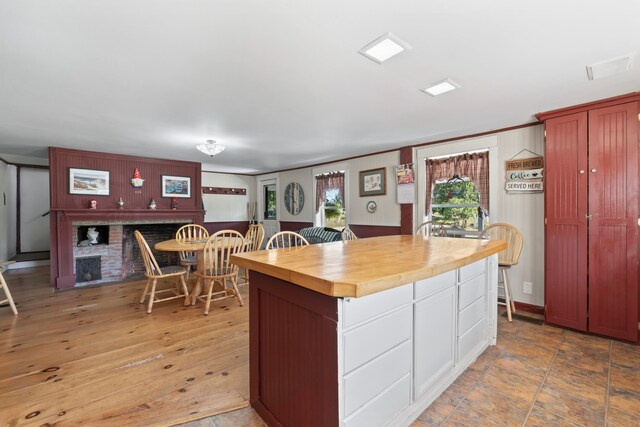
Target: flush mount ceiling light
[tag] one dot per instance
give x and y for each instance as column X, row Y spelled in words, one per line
column 610, row 67
column 211, row 148
column 384, row 47
column 441, row 87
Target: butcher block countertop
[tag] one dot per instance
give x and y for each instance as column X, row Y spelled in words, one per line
column 357, row 268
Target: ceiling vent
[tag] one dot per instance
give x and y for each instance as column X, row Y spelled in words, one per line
column 610, row 67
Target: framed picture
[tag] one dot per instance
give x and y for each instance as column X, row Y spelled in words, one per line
column 88, row 181
column 373, row 182
column 176, row 186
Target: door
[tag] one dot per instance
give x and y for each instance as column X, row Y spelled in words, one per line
column 34, row 206
column 268, row 196
column 566, row 221
column 613, row 211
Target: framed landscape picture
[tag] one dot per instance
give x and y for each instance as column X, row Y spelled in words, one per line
column 88, row 181
column 373, row 182
column 176, row 186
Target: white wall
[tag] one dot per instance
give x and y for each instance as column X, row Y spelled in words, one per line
column 34, row 202
column 388, row 212
column 526, row 212
column 224, row 207
column 7, row 210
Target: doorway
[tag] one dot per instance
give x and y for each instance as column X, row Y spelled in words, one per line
column 269, row 205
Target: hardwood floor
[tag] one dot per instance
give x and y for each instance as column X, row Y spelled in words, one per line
column 93, row 356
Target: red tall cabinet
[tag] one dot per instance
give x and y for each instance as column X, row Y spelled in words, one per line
column 592, row 217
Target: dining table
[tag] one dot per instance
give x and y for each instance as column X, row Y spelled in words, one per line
column 196, row 246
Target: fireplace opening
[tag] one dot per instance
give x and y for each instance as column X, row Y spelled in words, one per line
column 85, row 240
column 88, row 269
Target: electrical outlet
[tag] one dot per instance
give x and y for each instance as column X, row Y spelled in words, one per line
column 527, row 288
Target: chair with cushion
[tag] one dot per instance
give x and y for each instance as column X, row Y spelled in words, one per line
column 321, row 235
column 255, row 237
column 286, row 239
column 506, row 258
column 190, row 232
column 218, row 268
column 155, row 272
column 347, row 234
column 4, row 287
column 431, row 228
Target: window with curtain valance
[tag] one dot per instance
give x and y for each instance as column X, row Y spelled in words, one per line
column 330, row 199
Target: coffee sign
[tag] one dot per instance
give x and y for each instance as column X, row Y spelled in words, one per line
column 524, row 175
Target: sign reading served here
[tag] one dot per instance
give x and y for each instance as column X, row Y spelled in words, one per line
column 524, row 175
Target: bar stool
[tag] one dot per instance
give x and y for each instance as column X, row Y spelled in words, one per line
column 507, row 258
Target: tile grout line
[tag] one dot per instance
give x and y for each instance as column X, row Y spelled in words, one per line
column 475, row 383
column 606, row 396
column 535, row 399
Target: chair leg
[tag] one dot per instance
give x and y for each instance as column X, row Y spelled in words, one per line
column 188, row 267
column 234, row 283
column 144, row 293
column 152, row 295
column 7, row 292
column 209, row 294
column 200, row 284
column 184, row 284
column 513, row 303
column 507, row 297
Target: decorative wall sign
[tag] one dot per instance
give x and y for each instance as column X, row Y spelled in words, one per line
column 524, row 186
column 294, row 198
column 524, row 175
column 88, row 181
column 406, row 183
column 373, row 182
column 176, row 186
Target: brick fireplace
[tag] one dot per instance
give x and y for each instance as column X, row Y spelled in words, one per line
column 117, row 253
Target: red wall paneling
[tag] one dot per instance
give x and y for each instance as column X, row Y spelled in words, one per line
column 293, row 353
column 66, row 207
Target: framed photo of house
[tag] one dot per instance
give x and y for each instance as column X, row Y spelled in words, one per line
column 88, row 181
column 176, row 186
column 373, row 182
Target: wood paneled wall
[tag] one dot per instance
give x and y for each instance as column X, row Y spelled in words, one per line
column 66, row 207
column 121, row 171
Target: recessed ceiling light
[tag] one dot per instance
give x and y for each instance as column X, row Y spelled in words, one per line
column 384, row 47
column 610, row 67
column 441, row 87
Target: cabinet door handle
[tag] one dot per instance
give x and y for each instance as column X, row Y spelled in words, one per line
column 594, row 170
column 588, row 216
column 581, row 171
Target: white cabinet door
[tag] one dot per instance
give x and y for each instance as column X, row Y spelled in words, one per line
column 434, row 338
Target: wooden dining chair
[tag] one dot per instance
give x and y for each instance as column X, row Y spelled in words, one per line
column 218, row 268
column 431, row 228
column 155, row 272
column 286, row 239
column 255, row 237
column 507, row 258
column 5, row 288
column 347, row 234
column 190, row 232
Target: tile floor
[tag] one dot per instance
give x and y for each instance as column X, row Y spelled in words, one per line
column 536, row 375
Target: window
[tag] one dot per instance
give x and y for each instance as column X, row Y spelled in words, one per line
column 334, row 212
column 331, row 210
column 456, row 204
column 270, row 201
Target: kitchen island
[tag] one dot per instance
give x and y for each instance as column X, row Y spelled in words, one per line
column 366, row 332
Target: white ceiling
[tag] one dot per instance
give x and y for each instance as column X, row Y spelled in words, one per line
column 281, row 84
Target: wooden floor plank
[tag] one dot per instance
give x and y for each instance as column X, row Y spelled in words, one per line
column 92, row 356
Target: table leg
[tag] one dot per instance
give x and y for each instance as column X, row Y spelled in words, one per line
column 197, row 289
